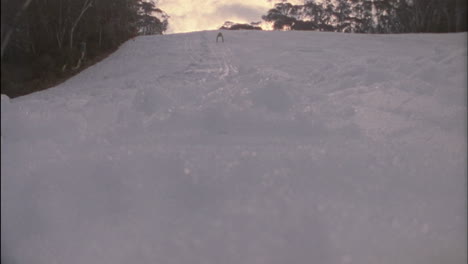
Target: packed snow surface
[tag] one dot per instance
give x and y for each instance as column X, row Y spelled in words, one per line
column 269, row 148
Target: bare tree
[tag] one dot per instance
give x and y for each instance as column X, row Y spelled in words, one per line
column 87, row 4
column 8, row 30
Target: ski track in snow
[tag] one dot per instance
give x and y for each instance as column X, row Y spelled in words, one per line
column 272, row 147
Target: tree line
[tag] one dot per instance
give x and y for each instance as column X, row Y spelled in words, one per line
column 229, row 25
column 371, row 16
column 49, row 39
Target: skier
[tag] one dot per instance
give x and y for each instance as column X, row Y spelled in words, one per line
column 220, row 35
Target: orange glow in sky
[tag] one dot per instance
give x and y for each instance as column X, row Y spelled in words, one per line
column 197, row 15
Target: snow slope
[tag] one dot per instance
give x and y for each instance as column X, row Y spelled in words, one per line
column 271, row 148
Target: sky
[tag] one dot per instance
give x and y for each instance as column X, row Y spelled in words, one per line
column 196, row 15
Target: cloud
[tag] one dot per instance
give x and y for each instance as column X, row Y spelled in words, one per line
column 196, row 15
column 192, row 15
column 246, row 13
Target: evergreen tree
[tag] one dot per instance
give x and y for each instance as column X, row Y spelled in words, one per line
column 371, row 16
column 49, row 38
column 281, row 16
column 148, row 23
column 342, row 14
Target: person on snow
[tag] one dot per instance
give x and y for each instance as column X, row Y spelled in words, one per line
column 220, row 35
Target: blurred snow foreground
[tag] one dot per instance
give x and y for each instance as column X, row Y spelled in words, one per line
column 272, row 148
